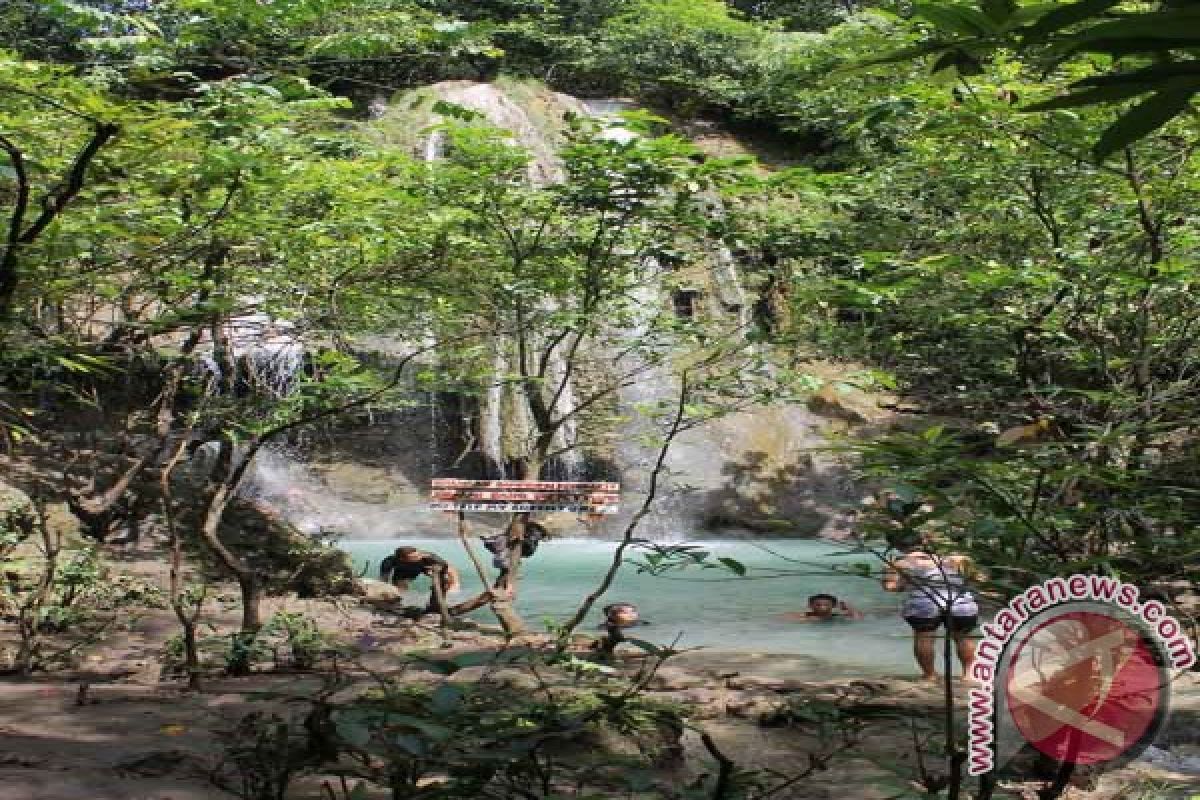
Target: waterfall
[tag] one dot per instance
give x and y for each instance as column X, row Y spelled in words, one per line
column 435, row 146
column 654, row 386
column 725, row 276
column 729, row 288
column 566, row 437
column 491, row 420
column 267, row 351
column 744, row 469
column 308, row 502
column 434, row 442
column 377, row 107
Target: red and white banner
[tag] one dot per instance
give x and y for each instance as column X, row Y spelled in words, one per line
column 579, row 497
column 575, row 486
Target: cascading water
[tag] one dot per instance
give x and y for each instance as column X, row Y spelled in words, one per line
column 307, row 502
column 566, row 437
column 435, row 146
column 740, row 468
column 491, row 420
column 643, row 400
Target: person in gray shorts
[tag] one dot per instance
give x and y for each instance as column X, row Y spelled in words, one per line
column 937, row 595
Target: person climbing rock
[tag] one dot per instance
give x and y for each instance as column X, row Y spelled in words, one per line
column 407, row 563
column 497, row 545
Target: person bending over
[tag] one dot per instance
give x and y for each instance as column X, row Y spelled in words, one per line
column 823, row 607
column 407, row 563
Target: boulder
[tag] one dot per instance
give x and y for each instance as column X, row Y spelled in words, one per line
column 749, row 705
column 756, row 682
column 515, row 679
column 674, row 679
column 843, row 401
column 379, row 592
column 703, row 703
column 17, row 517
column 292, row 560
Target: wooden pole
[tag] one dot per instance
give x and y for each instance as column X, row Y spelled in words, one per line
column 466, row 543
column 439, row 595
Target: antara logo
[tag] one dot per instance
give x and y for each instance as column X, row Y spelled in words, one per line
column 1077, row 667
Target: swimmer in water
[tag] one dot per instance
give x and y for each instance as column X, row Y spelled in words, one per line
column 617, row 616
column 822, row 607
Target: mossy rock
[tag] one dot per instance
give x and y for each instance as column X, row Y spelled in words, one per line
column 18, row 518
column 291, row 560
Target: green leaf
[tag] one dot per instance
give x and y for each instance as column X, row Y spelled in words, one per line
column 1142, row 120
column 960, row 60
column 1179, row 26
column 1101, row 94
column 455, row 111
column 998, row 11
column 955, row 19
column 1145, row 75
column 896, row 56
column 1066, row 15
column 733, row 565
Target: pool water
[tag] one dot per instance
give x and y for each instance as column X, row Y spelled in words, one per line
column 701, row 608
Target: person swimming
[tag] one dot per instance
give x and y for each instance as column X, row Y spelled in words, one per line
column 822, row 607
column 617, row 617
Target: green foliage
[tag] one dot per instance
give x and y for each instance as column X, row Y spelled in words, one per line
column 485, row 738
column 682, row 52
column 305, row 642
column 1150, row 51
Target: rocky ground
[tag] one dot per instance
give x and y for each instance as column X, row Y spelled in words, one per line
column 110, row 725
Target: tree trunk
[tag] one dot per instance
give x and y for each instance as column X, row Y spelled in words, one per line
column 30, row 612
column 191, row 654
column 252, row 595
column 248, row 581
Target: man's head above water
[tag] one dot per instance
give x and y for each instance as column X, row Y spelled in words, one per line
column 407, row 554
column 621, row 613
column 822, row 605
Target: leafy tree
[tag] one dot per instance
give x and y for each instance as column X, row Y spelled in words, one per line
column 1147, row 49
column 680, row 53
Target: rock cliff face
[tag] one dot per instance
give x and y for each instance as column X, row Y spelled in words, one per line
column 763, row 470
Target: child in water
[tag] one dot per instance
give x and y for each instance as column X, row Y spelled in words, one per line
column 617, row 616
column 822, row 607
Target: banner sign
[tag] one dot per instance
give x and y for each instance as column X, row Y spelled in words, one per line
column 578, row 497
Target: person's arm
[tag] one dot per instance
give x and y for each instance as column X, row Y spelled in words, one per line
column 967, row 568
column 435, row 564
column 385, row 568
column 849, row 611
column 893, row 576
column 794, row 616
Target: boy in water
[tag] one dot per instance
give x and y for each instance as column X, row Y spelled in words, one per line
column 617, row 616
column 822, row 607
